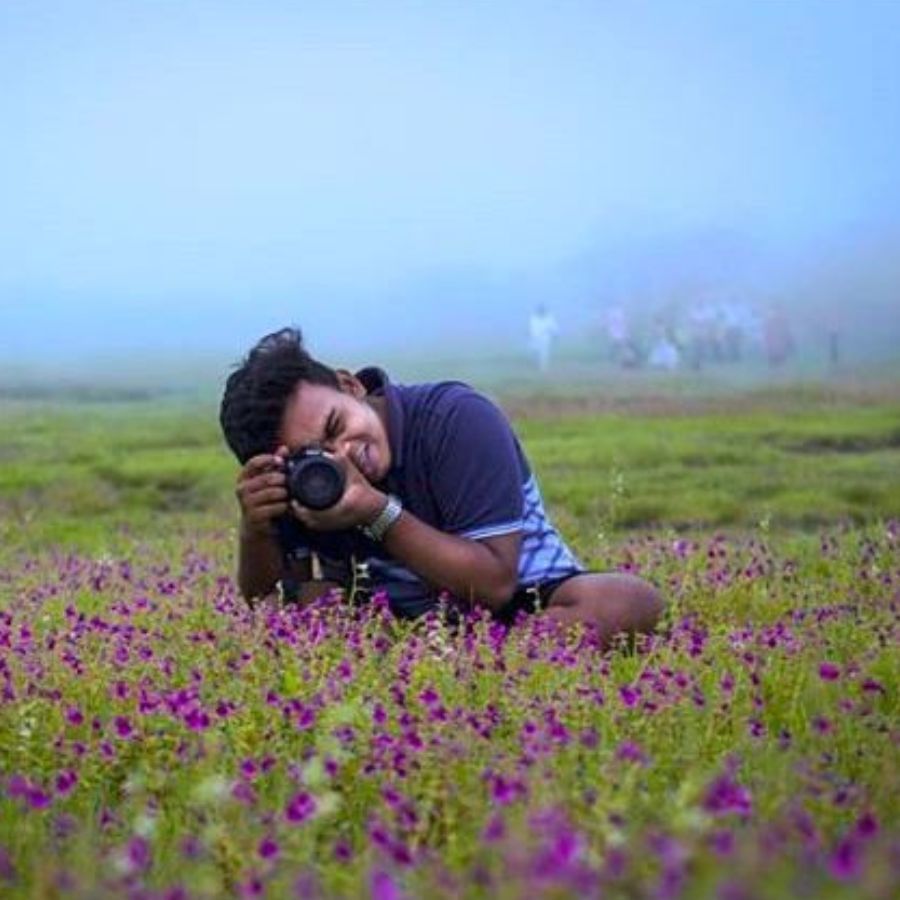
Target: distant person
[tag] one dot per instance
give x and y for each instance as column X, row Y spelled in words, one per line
column 664, row 354
column 618, row 334
column 701, row 328
column 777, row 336
column 439, row 497
column 735, row 318
column 542, row 329
column 624, row 347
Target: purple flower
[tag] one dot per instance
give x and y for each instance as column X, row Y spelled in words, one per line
column 429, row 696
column 243, row 793
column 7, row 869
column 629, row 751
column 844, row 863
column 252, row 887
column 829, row 671
column 495, row 828
column 300, row 808
column 866, row 826
column 342, row 851
column 722, row 842
column 505, row 791
column 37, row 798
column 268, row 848
column 725, row 796
column 65, row 781
column 383, row 887
column 18, row 786
column 556, row 858
column 138, row 853
column 191, row 847
column 629, row 696
column 123, row 727
column 197, row 720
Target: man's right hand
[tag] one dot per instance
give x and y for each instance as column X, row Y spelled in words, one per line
column 262, row 492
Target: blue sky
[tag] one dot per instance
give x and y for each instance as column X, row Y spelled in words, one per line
column 181, row 172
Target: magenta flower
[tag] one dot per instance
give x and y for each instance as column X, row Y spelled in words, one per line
column 244, row 793
column 197, row 720
column 123, row 727
column 829, row 671
column 383, row 887
column 252, row 887
column 65, row 781
column 38, row 798
column 722, row 842
column 629, row 696
column 845, row 863
column 629, row 751
column 429, row 696
column 343, row 852
column 300, row 808
column 495, row 829
column 871, row 686
column 505, row 791
column 268, row 848
column 725, row 797
column 866, row 826
column 138, row 853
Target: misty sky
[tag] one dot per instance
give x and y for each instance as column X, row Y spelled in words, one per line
column 181, row 173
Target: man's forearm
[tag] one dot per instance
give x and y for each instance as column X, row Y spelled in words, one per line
column 259, row 563
column 468, row 569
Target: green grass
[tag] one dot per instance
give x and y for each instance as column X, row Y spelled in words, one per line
column 80, row 473
column 760, row 515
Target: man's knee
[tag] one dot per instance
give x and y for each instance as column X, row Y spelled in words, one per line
column 648, row 599
column 616, row 602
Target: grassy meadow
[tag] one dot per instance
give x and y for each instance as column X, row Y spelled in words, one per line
column 157, row 739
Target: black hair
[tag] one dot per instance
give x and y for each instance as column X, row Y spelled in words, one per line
column 258, row 390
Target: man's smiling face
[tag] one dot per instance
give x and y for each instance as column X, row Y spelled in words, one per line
column 344, row 422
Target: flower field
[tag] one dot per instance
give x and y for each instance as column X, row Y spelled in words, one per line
column 157, row 739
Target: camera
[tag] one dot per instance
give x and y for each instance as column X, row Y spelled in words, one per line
column 314, row 479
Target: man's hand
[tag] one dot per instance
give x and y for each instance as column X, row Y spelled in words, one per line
column 262, row 493
column 360, row 504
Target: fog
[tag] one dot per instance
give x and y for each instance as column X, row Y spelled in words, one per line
column 185, row 176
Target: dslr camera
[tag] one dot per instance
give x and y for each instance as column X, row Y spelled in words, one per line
column 314, row 479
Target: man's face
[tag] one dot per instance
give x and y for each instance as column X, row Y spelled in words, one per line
column 344, row 422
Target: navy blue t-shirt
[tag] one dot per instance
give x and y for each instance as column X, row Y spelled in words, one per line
column 456, row 465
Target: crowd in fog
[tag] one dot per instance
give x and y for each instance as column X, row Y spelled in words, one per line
column 691, row 337
column 701, row 334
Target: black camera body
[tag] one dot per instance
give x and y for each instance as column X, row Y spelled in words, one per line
column 314, row 479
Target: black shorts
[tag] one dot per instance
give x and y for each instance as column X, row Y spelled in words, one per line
column 531, row 598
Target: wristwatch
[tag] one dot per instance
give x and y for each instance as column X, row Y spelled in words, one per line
column 377, row 529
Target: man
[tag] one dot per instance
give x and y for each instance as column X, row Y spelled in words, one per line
column 542, row 328
column 439, row 497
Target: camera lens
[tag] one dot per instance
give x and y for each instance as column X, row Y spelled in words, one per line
column 315, row 481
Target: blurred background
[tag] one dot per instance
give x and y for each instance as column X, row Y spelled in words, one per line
column 517, row 191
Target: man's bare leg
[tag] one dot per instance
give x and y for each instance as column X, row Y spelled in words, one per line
column 613, row 603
